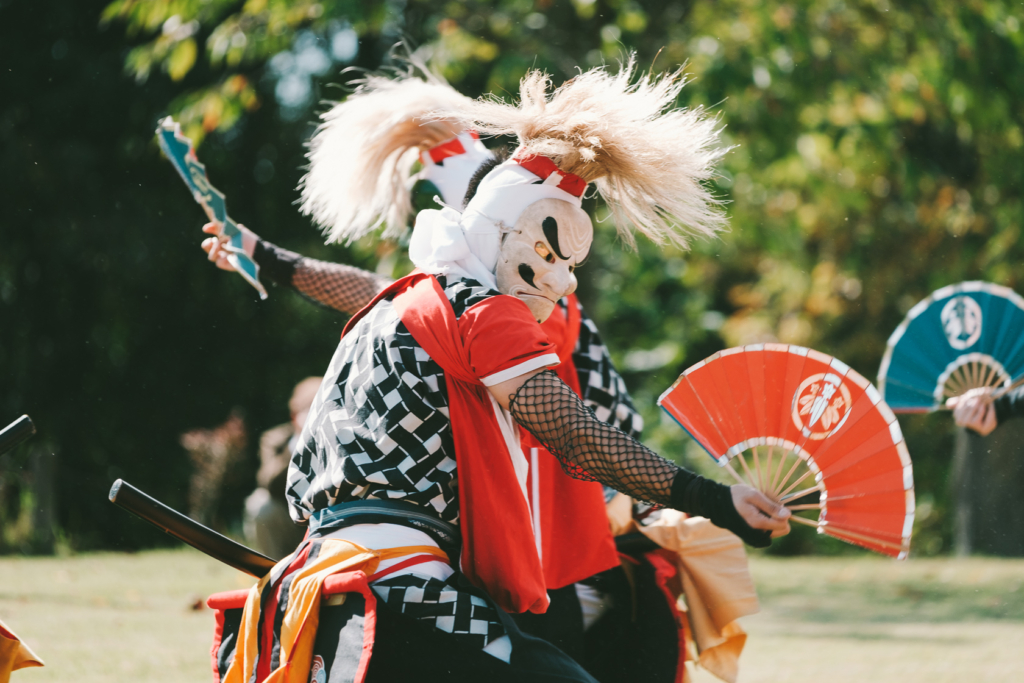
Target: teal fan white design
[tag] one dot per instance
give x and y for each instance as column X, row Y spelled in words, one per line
column 961, row 337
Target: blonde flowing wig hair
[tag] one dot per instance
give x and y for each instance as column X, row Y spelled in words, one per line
column 649, row 159
column 364, row 150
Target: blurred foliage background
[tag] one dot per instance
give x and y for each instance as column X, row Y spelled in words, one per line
column 877, row 158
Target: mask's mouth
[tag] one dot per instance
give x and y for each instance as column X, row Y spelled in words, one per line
column 540, row 296
column 519, row 292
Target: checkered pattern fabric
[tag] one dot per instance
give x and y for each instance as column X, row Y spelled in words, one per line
column 461, row 611
column 602, row 387
column 348, row 289
column 379, row 426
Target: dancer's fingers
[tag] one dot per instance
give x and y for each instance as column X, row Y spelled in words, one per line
column 977, row 414
column 779, row 514
column 988, row 421
column 216, row 253
column 965, row 409
column 772, row 508
column 759, row 511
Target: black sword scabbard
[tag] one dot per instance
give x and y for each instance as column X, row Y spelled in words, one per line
column 185, row 529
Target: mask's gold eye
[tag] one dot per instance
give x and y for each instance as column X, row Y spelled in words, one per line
column 544, row 252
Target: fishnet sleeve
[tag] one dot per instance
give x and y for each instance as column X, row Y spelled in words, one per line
column 334, row 285
column 587, row 447
column 592, row 450
column 343, row 288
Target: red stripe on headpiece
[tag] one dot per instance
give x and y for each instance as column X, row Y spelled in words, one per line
column 452, row 148
column 543, row 167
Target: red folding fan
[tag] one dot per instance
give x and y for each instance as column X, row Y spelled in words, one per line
column 809, row 432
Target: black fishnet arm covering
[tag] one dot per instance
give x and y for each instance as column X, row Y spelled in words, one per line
column 587, row 448
column 334, row 285
column 343, row 288
column 591, row 450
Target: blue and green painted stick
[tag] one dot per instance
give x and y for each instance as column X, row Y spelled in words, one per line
column 180, row 151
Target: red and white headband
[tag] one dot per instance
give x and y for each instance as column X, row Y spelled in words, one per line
column 451, row 165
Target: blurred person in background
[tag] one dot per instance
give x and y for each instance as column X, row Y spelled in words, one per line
column 267, row 524
column 988, row 473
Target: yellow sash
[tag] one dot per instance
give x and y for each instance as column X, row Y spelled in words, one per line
column 302, row 615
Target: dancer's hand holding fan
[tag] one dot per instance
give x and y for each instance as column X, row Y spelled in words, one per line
column 807, row 431
column 976, row 410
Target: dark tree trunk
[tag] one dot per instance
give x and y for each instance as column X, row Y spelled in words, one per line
column 988, row 490
column 44, row 501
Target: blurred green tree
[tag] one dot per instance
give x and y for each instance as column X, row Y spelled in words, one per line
column 876, row 158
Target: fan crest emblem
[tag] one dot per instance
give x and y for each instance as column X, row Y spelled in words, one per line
column 961, row 321
column 821, row 405
column 317, row 673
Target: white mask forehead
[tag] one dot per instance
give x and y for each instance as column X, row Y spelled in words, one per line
column 505, row 192
column 563, row 227
column 508, row 190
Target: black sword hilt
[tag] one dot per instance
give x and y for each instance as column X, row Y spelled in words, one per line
column 16, row 432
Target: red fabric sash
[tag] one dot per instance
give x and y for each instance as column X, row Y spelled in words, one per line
column 498, row 550
column 667, row 578
column 576, row 541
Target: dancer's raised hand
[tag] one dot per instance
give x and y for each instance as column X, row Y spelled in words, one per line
column 214, row 246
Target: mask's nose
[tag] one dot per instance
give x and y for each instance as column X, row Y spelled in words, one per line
column 558, row 280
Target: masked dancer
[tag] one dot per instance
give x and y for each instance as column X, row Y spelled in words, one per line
column 414, row 410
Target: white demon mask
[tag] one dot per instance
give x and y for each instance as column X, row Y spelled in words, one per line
column 537, row 258
column 523, row 233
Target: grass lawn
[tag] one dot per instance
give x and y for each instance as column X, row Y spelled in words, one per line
column 109, row 617
column 119, row 617
column 869, row 619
